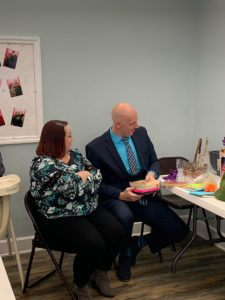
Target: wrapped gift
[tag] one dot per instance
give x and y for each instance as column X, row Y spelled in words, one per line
column 222, row 162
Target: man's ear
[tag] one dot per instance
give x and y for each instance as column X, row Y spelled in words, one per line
column 117, row 124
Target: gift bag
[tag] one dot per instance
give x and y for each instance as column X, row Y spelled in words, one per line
column 220, row 193
column 222, row 162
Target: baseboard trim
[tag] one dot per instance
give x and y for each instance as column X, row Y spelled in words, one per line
column 25, row 243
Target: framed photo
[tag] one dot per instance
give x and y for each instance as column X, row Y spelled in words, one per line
column 21, row 106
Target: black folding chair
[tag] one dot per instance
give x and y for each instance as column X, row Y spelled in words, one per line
column 40, row 242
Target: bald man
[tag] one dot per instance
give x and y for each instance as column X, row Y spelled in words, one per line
column 109, row 153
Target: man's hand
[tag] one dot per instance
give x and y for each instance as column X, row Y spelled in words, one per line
column 150, row 176
column 128, row 195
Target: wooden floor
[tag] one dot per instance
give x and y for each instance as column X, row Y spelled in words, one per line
column 200, row 275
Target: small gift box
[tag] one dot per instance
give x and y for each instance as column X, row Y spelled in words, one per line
column 222, row 159
column 222, row 162
column 144, row 187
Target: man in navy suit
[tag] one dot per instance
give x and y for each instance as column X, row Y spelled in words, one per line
column 109, row 153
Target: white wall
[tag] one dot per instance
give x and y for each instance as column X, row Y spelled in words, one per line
column 210, row 96
column 96, row 53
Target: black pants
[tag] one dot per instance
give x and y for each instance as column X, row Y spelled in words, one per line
column 169, row 227
column 96, row 239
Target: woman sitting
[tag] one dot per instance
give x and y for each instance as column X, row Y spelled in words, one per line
column 65, row 187
column 2, row 168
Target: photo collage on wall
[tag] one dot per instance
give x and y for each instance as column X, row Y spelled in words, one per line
column 11, row 57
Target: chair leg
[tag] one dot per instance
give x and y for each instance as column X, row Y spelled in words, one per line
column 26, row 284
column 160, row 256
column 29, row 269
column 142, row 228
column 61, row 259
column 61, row 274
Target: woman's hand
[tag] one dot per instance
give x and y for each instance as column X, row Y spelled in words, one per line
column 84, row 175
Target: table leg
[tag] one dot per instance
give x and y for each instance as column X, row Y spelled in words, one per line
column 8, row 242
column 16, row 252
column 218, row 227
column 189, row 242
column 207, row 225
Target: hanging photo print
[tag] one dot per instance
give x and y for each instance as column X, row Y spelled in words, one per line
column 18, row 117
column 14, row 87
column 10, row 59
column 2, row 122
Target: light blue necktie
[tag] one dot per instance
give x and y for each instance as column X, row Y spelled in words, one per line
column 132, row 164
column 131, row 157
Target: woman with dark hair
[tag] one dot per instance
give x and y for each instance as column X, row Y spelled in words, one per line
column 65, row 187
column 2, row 168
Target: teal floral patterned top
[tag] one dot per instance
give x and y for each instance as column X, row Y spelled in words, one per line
column 59, row 191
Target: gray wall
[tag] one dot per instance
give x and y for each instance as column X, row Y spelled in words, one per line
column 162, row 56
column 210, row 95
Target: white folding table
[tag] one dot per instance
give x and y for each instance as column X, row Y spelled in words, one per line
column 6, row 291
column 211, row 204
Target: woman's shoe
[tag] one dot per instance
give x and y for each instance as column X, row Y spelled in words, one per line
column 82, row 293
column 101, row 283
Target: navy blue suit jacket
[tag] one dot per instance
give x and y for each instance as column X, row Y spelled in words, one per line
column 103, row 155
